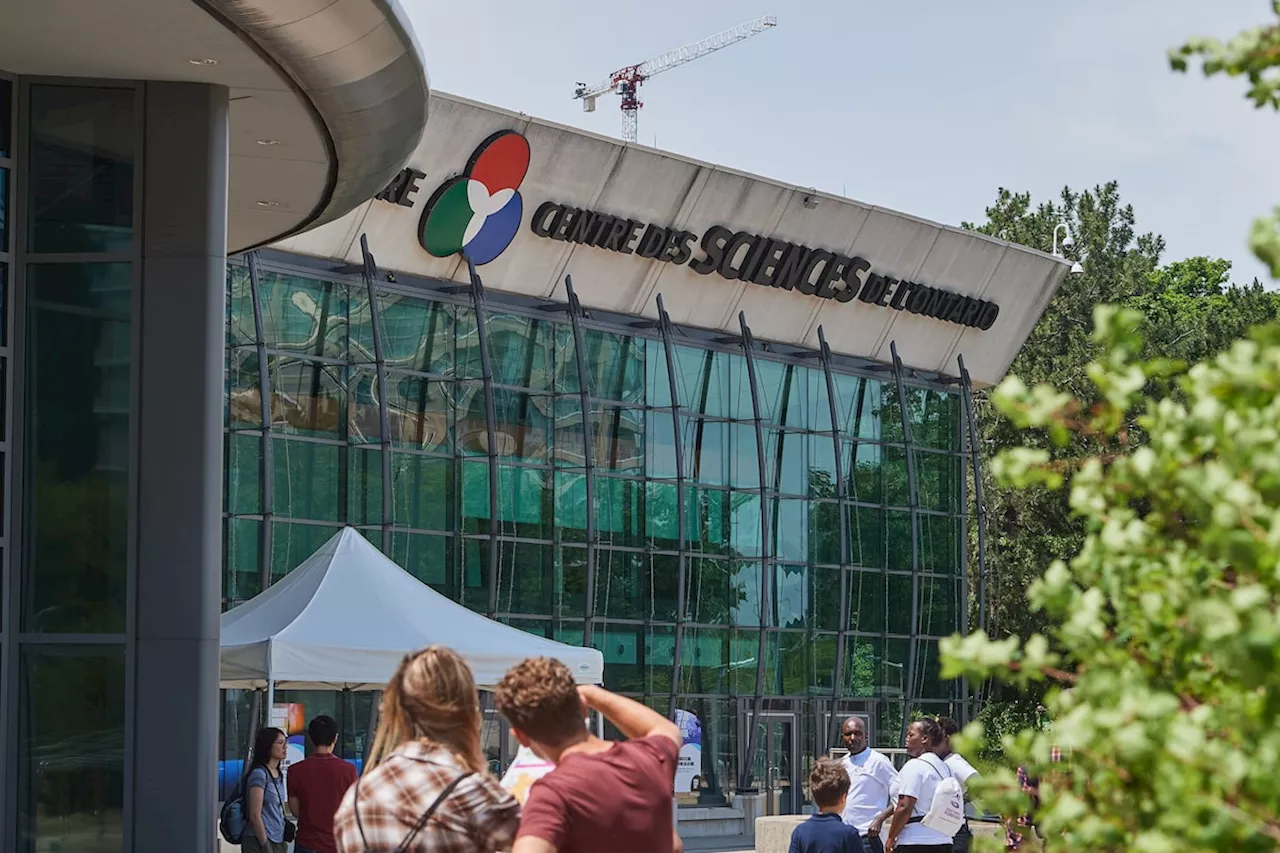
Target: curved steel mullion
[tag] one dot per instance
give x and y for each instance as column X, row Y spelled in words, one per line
column 369, row 271
column 914, row 499
column 664, row 326
column 841, row 510
column 588, row 458
column 748, row 347
column 980, row 509
column 486, row 377
column 266, row 463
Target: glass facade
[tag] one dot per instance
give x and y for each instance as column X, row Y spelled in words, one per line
column 68, row 265
column 305, row 455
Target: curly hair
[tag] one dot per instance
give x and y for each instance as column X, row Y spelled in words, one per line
column 828, row 782
column 932, row 732
column 949, row 726
column 539, row 697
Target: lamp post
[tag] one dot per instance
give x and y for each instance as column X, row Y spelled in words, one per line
column 1068, row 242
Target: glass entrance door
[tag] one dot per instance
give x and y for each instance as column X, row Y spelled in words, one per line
column 773, row 772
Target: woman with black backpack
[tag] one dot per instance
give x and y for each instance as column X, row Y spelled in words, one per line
column 266, row 830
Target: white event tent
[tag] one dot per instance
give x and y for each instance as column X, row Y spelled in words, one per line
column 345, row 618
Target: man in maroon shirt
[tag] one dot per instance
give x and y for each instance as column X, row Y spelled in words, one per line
column 316, row 787
column 601, row 795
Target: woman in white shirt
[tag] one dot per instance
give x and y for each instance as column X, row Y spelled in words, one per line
column 917, row 782
column 964, row 771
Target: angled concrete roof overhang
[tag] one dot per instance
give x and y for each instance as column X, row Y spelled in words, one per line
column 360, row 66
column 328, row 97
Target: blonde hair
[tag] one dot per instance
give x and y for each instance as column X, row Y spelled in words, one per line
column 432, row 697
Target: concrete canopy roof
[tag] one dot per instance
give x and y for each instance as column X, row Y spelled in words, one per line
column 329, row 97
column 570, row 168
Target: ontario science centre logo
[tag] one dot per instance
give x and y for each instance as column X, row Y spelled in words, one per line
column 478, row 213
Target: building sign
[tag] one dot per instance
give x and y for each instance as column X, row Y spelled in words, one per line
column 743, row 256
column 478, row 213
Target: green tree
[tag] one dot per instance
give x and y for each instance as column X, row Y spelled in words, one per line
column 1163, row 653
column 1255, row 55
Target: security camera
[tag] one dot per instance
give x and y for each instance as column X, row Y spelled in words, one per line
column 810, row 199
column 1068, row 242
column 1077, row 268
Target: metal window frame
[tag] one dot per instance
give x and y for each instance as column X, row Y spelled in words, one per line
column 574, row 309
column 908, row 699
column 369, row 271
column 480, row 307
column 842, row 489
column 748, row 348
column 266, row 461
column 682, row 570
column 980, row 509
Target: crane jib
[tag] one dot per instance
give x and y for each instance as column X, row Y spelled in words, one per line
column 760, row 260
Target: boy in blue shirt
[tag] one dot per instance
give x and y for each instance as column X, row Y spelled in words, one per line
column 825, row 832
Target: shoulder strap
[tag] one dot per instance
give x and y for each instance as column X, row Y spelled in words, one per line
column 417, row 828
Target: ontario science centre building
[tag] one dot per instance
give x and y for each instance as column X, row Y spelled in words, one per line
column 568, row 340
column 714, row 425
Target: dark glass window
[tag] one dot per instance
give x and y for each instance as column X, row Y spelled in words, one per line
column 82, row 152
column 6, row 118
column 78, row 415
column 4, row 210
column 71, row 757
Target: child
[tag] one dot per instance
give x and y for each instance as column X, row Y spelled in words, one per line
column 825, row 832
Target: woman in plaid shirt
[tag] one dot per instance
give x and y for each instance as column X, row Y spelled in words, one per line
column 428, row 738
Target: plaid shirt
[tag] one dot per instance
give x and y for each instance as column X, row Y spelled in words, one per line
column 477, row 816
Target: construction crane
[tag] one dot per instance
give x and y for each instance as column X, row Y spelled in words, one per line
column 626, row 81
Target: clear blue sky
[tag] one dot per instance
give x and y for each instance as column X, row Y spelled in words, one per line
column 923, row 106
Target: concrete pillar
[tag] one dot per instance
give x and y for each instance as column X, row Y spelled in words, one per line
column 179, row 574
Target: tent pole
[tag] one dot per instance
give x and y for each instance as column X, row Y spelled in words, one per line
column 375, row 706
column 271, row 698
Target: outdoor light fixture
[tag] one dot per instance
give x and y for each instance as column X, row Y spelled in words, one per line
column 1067, row 240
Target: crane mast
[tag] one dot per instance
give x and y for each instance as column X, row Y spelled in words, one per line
column 626, row 81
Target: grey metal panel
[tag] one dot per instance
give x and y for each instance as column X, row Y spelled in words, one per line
column 361, row 68
column 913, row 496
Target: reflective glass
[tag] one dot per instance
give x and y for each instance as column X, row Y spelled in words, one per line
column 78, row 460
column 744, row 457
column 898, row 540
column 4, row 303
column 6, row 118
column 240, row 328
column 745, row 537
column 619, row 435
column 291, row 544
column 420, row 411
column 939, row 603
column 660, row 445
column 868, row 596
column 706, row 446
column 4, row 207
column 704, row 660
column 936, row 419
column 310, row 398
column 80, row 191
column 307, row 476
column 636, row 659
column 791, row 588
column 867, row 472
column 421, row 487
column 424, row 556
column 818, row 408
column 859, row 402
column 940, row 544
column 806, row 664
column 522, row 425
column 824, row 598
column 243, row 556
column 615, row 365
column 364, row 486
column 820, row 473
column 866, row 537
column 524, row 500
column 744, row 593
column 521, row 351
column 893, row 470
column 244, row 474
column 309, row 317
column 467, row 363
column 570, row 592
column 703, row 379
column 526, row 577
column 416, row 334
column 71, row 748
column 619, row 514
column 785, row 455
column 824, row 532
column 791, row 529
column 862, row 672
column 708, row 596
column 939, row 476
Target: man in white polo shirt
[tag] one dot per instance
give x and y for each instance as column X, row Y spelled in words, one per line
column 870, row 775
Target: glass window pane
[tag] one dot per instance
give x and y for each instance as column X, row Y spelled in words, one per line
column 419, row 410
column 425, row 557
column 71, row 764
column 890, row 412
column 897, row 597
column 858, row 402
column 241, row 328
column 703, row 379
column 521, row 351
column 570, row 594
column 309, row 317
column 744, row 458
column 897, row 490
column 939, row 476
column 244, row 397
column 78, row 459
column 364, row 486
column 867, row 473
column 243, row 556
column 526, row 578
column 819, row 402
column 244, row 474
column 866, row 537
column 6, row 117
column 744, row 593
column 619, row 513
column 898, row 541
column 416, row 334
column 310, row 398
column 619, row 438
column 4, row 299
column 293, row 543
column 660, row 445
column 939, row 420
column 825, row 598
column 821, row 470
column 80, row 196
column 708, row 595
column 744, row 524
column 862, row 669
column 824, row 532
column 791, row 530
column 706, row 445
column 940, row 544
column 657, row 381
column 420, row 490
column 939, row 604
column 791, row 595
column 307, row 479
column 4, row 208
column 522, row 425
column 868, row 593
column 785, row 462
